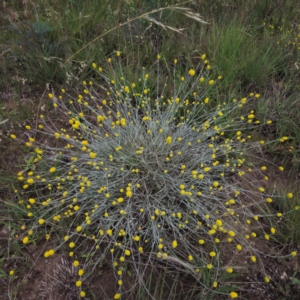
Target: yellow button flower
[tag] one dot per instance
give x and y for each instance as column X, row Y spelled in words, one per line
column 174, row 244
column 233, row 295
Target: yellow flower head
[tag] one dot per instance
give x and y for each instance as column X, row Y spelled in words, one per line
column 93, row 154
column 174, row 244
column 231, row 233
column 212, row 254
column 192, row 72
column 25, row 240
column 169, row 140
column 82, row 294
column 233, row 295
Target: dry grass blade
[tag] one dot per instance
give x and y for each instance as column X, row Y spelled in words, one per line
column 182, row 263
column 190, row 14
column 165, row 27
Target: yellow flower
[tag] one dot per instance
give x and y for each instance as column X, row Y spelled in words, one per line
column 174, row 244
column 212, row 254
column 31, row 200
column 215, row 284
column 117, row 296
column 72, row 245
column 53, row 169
column 41, row 221
column 290, row 195
column 231, row 233
column 78, row 283
column 169, row 140
column 211, row 82
column 93, row 154
column 253, row 259
column 190, row 257
column 80, row 272
column 76, row 263
column 13, row 136
column 267, row 279
column 51, row 252
column 127, row 252
column 273, row 230
column 11, row 272
column 25, row 240
column 82, row 294
column 239, row 247
column 229, row 270
column 233, row 295
column 294, row 253
column 192, row 72
column 209, row 266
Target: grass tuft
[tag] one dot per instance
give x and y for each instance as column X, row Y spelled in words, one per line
column 148, row 171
